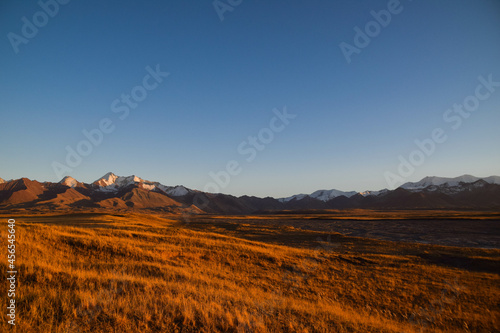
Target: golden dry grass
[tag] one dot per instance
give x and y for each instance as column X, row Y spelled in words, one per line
column 146, row 273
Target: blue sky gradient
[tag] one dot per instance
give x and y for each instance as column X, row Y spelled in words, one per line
column 226, row 77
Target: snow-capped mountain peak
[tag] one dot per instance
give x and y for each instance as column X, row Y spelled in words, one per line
column 112, row 183
column 175, row 191
column 375, row 193
column 447, row 182
column 325, row 195
column 296, row 197
column 322, row 195
column 69, row 181
column 106, row 180
column 492, row 180
column 125, row 181
column 112, row 179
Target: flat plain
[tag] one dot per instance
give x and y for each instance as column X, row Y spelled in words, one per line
column 334, row 271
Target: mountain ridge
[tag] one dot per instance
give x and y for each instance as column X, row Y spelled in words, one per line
column 132, row 192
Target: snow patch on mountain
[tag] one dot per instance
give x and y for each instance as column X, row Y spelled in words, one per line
column 444, row 184
column 130, row 180
column 437, row 181
column 112, row 183
column 325, row 195
column 69, row 181
column 106, row 180
column 149, row 187
column 432, row 183
column 296, row 197
column 374, row 193
column 492, row 180
column 175, row 191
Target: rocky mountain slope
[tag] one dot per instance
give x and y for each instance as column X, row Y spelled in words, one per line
column 125, row 193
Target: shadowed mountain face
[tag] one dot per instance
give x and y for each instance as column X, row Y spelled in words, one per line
column 125, row 193
column 20, row 191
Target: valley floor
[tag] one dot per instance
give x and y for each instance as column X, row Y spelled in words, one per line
column 131, row 272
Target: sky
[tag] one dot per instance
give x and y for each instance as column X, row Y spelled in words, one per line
column 264, row 98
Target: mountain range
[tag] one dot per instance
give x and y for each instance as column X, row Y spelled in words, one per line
column 126, row 193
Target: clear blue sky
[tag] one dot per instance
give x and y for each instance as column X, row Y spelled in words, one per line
column 353, row 120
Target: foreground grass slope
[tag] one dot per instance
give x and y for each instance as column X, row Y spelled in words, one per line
column 145, row 273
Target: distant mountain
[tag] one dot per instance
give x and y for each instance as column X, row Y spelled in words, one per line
column 427, row 184
column 322, row 195
column 20, row 191
column 449, row 182
column 70, row 182
column 109, row 191
column 367, row 193
column 113, row 183
column 70, row 197
column 131, row 192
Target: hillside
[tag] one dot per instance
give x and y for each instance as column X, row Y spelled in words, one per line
column 133, row 193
